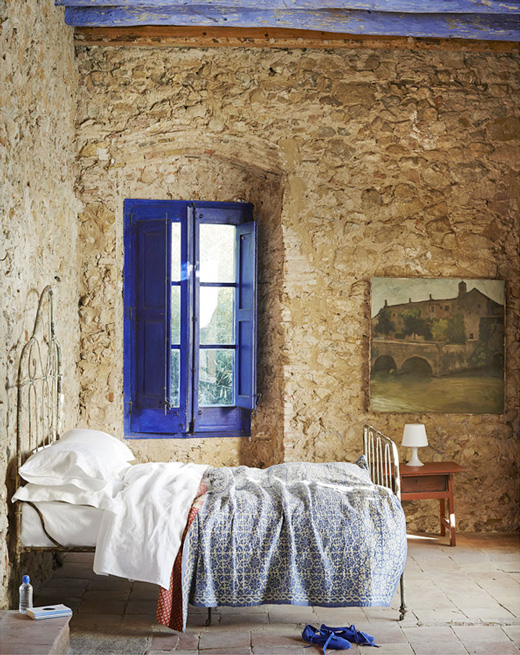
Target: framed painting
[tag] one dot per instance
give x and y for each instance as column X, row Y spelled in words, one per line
column 437, row 345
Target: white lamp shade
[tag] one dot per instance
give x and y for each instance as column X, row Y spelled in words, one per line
column 414, row 435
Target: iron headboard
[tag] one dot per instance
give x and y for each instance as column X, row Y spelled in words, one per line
column 39, row 384
column 383, row 459
column 38, row 387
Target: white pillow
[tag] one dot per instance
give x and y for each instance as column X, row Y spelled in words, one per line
column 86, row 458
column 113, row 447
column 69, row 493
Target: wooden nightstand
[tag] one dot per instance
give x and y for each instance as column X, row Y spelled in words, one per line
column 431, row 481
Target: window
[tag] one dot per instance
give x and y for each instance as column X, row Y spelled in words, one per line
column 190, row 318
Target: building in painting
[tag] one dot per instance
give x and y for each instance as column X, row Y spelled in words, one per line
column 470, row 316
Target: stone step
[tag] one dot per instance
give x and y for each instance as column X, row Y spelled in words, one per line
column 21, row 635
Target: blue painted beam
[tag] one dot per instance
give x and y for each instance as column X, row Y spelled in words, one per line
column 462, row 26
column 393, row 6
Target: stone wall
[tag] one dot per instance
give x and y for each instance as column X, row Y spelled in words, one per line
column 38, row 218
column 360, row 163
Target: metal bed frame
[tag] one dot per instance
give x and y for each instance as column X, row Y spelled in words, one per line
column 38, row 422
column 383, row 464
column 39, row 401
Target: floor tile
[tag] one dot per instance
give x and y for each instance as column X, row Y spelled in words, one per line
column 496, row 614
column 513, row 632
column 224, row 639
column 281, row 650
column 339, row 616
column 146, row 606
column 165, row 642
column 444, row 616
column 283, row 638
column 91, row 620
column 101, row 595
column 395, row 649
column 101, row 606
column 439, row 648
column 251, row 621
column 491, row 648
column 20, row 649
column 226, row 651
column 429, row 634
column 482, row 633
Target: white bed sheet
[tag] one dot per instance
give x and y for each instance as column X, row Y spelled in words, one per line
column 141, row 531
column 70, row 525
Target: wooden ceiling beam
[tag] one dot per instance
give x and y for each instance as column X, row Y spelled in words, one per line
column 496, row 27
column 222, row 37
column 385, row 6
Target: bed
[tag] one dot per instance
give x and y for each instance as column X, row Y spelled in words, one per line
column 330, row 534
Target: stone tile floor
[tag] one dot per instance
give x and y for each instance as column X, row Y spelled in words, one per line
column 461, row 600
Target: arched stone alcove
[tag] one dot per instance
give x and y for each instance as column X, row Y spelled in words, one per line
column 196, row 175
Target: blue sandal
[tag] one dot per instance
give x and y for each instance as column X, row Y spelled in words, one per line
column 351, row 634
column 325, row 638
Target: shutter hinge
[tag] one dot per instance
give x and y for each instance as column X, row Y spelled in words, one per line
column 253, row 411
column 130, row 313
column 166, row 405
column 128, row 407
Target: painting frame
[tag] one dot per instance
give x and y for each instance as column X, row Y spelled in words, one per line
column 437, row 345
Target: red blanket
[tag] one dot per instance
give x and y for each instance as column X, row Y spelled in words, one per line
column 169, row 605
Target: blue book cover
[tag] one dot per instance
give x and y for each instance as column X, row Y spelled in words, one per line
column 48, row 612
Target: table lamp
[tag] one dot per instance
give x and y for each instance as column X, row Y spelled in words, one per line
column 414, row 436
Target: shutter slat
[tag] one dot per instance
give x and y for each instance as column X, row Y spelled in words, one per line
column 246, row 315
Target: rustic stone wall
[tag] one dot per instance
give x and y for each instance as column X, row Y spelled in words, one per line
column 38, row 217
column 361, row 163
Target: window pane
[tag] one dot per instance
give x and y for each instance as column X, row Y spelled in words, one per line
column 175, row 377
column 216, row 376
column 217, row 253
column 175, row 318
column 176, row 252
column 216, row 315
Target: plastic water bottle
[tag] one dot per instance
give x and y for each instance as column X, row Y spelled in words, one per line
column 26, row 595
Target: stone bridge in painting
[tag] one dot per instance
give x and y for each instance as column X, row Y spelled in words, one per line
column 420, row 357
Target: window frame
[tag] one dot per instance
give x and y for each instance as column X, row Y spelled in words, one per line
column 188, row 420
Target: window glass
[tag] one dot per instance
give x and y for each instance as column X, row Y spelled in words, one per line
column 175, row 377
column 217, row 253
column 216, row 315
column 216, row 376
column 175, row 316
column 176, row 252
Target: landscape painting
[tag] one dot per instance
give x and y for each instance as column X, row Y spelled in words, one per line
column 437, row 345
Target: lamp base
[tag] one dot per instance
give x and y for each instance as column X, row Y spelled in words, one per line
column 415, row 461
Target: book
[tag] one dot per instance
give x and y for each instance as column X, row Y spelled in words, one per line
column 48, row 612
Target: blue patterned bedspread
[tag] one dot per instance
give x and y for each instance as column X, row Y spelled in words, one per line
column 296, row 533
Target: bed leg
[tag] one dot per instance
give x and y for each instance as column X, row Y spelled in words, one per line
column 208, row 620
column 403, row 609
column 58, row 559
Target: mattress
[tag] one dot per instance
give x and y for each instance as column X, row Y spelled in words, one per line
column 70, row 525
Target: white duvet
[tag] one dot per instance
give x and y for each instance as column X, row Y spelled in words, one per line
column 141, row 533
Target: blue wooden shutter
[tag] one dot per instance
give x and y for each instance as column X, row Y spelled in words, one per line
column 246, row 315
column 151, row 308
column 147, row 319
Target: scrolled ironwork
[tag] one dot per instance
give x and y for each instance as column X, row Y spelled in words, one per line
column 38, row 390
column 383, row 463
